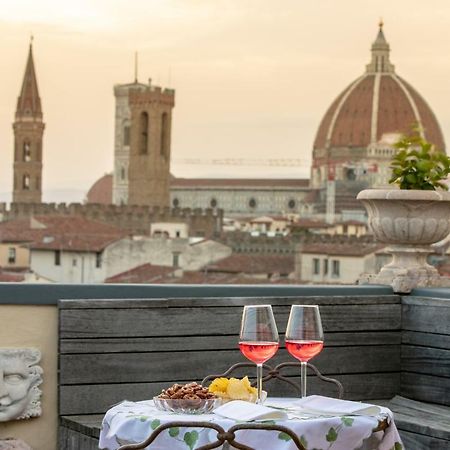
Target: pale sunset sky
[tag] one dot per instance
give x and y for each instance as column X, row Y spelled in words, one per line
column 253, row 78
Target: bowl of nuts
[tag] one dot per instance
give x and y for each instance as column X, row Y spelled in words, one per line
column 191, row 398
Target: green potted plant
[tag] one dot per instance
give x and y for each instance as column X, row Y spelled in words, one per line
column 413, row 217
column 418, row 165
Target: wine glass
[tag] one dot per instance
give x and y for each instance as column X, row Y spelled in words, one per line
column 258, row 340
column 304, row 336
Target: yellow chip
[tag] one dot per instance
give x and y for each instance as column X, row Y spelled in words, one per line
column 218, row 385
column 237, row 390
column 248, row 386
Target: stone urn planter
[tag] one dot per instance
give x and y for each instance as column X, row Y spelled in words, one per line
column 409, row 221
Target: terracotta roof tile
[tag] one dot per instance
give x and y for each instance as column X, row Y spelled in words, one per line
column 60, row 233
column 309, row 223
column 254, row 264
column 223, row 278
column 145, row 273
column 351, row 248
column 353, row 123
column 10, row 277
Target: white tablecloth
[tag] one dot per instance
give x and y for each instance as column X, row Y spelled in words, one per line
column 133, row 422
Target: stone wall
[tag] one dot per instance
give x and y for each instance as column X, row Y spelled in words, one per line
column 135, row 219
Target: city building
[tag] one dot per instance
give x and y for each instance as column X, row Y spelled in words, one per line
column 64, row 249
column 338, row 261
column 131, row 252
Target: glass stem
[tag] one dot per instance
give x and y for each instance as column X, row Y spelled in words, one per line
column 303, row 367
column 259, row 373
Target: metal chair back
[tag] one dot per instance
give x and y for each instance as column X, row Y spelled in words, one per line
column 276, row 373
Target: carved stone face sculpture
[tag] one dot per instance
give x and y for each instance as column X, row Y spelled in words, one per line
column 19, row 381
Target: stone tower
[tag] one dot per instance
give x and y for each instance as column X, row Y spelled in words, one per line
column 149, row 160
column 122, row 139
column 28, row 131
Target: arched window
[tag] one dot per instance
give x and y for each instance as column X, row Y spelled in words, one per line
column 126, row 135
column 291, row 203
column 143, row 133
column 26, row 151
column 252, row 203
column 175, row 202
column 26, row 182
column 213, row 203
column 39, row 150
column 122, row 173
column 164, row 134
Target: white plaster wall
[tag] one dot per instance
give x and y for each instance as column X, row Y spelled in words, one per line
column 171, row 229
column 85, row 270
column 128, row 253
column 35, row 326
column 351, row 268
column 205, row 252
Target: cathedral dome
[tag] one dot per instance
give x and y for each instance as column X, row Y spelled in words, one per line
column 372, row 106
column 101, row 190
column 375, row 106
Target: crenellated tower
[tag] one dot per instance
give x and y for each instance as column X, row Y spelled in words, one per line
column 149, row 158
column 28, row 131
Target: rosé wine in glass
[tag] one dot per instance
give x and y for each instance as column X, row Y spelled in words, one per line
column 304, row 337
column 304, row 350
column 258, row 352
column 258, row 340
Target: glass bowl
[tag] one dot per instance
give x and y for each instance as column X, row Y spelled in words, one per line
column 187, row 406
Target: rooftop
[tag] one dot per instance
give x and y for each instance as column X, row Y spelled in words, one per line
column 60, row 233
column 254, row 264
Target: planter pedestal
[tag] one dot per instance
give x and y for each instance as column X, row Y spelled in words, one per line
column 409, row 222
column 408, row 269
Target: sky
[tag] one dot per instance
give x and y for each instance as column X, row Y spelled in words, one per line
column 253, row 78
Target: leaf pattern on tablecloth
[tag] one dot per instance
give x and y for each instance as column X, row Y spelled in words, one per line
column 397, row 446
column 347, row 421
column 191, row 438
column 332, row 435
column 284, row 436
column 155, row 424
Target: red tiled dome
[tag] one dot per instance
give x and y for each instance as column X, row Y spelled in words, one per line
column 377, row 103
column 101, row 190
column 352, row 121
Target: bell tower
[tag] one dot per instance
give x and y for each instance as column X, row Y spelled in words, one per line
column 149, row 160
column 28, row 131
